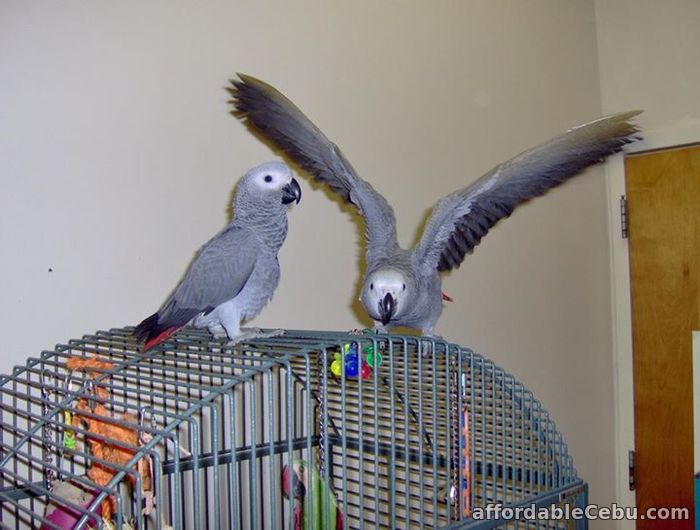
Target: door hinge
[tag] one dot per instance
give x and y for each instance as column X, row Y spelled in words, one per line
column 623, row 217
column 631, row 470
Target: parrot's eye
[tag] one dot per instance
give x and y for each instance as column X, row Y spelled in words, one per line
column 371, row 287
column 268, row 178
column 404, row 286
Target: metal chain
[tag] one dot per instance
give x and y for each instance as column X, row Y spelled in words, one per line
column 46, row 445
column 320, row 414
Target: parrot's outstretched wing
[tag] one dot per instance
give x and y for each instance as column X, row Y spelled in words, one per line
column 281, row 121
column 460, row 220
column 217, row 274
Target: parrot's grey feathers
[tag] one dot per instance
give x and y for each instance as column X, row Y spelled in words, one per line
column 219, row 272
column 460, row 220
column 281, row 122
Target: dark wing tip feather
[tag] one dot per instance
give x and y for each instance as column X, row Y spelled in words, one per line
column 277, row 121
column 601, row 138
column 157, row 323
column 145, row 329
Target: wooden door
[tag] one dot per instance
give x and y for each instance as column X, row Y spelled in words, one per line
column 663, row 197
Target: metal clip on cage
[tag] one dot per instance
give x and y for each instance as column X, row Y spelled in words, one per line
column 349, row 431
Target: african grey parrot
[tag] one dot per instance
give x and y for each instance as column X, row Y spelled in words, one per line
column 403, row 287
column 236, row 272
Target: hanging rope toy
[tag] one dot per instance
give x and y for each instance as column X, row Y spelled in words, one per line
column 98, row 421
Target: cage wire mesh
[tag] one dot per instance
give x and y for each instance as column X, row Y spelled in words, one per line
column 307, row 430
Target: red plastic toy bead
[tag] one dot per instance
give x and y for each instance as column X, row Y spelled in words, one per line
column 366, row 372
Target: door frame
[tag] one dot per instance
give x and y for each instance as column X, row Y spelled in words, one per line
column 677, row 134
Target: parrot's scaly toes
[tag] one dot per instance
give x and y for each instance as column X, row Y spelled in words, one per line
column 426, row 346
column 270, row 334
column 254, row 333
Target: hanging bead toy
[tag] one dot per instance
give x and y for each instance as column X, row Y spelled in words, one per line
column 353, row 363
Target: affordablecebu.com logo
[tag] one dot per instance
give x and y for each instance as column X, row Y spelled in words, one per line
column 567, row 512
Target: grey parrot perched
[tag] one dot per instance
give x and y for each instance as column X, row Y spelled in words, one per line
column 403, row 287
column 235, row 273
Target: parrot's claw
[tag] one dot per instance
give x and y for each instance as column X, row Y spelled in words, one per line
column 218, row 332
column 269, row 334
column 429, row 343
column 380, row 328
column 254, row 333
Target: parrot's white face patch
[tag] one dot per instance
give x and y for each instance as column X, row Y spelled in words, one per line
column 383, row 294
column 268, row 182
column 388, row 281
column 273, row 179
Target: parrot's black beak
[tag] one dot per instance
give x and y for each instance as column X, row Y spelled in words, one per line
column 291, row 192
column 386, row 308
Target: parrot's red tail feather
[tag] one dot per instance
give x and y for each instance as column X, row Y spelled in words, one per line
column 446, row 298
column 161, row 337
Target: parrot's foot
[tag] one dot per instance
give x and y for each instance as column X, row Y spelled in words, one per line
column 379, row 328
column 218, row 333
column 217, row 330
column 426, row 347
column 260, row 334
column 254, row 333
column 430, row 344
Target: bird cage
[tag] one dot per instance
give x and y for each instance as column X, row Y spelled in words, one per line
column 308, row 430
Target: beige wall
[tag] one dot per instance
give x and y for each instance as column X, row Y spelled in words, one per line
column 648, row 53
column 118, row 157
column 648, row 58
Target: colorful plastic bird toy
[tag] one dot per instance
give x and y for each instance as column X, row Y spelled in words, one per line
column 352, row 360
column 337, row 365
column 373, row 359
column 353, row 363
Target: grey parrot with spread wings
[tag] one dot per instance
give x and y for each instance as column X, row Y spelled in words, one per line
column 235, row 273
column 403, row 287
